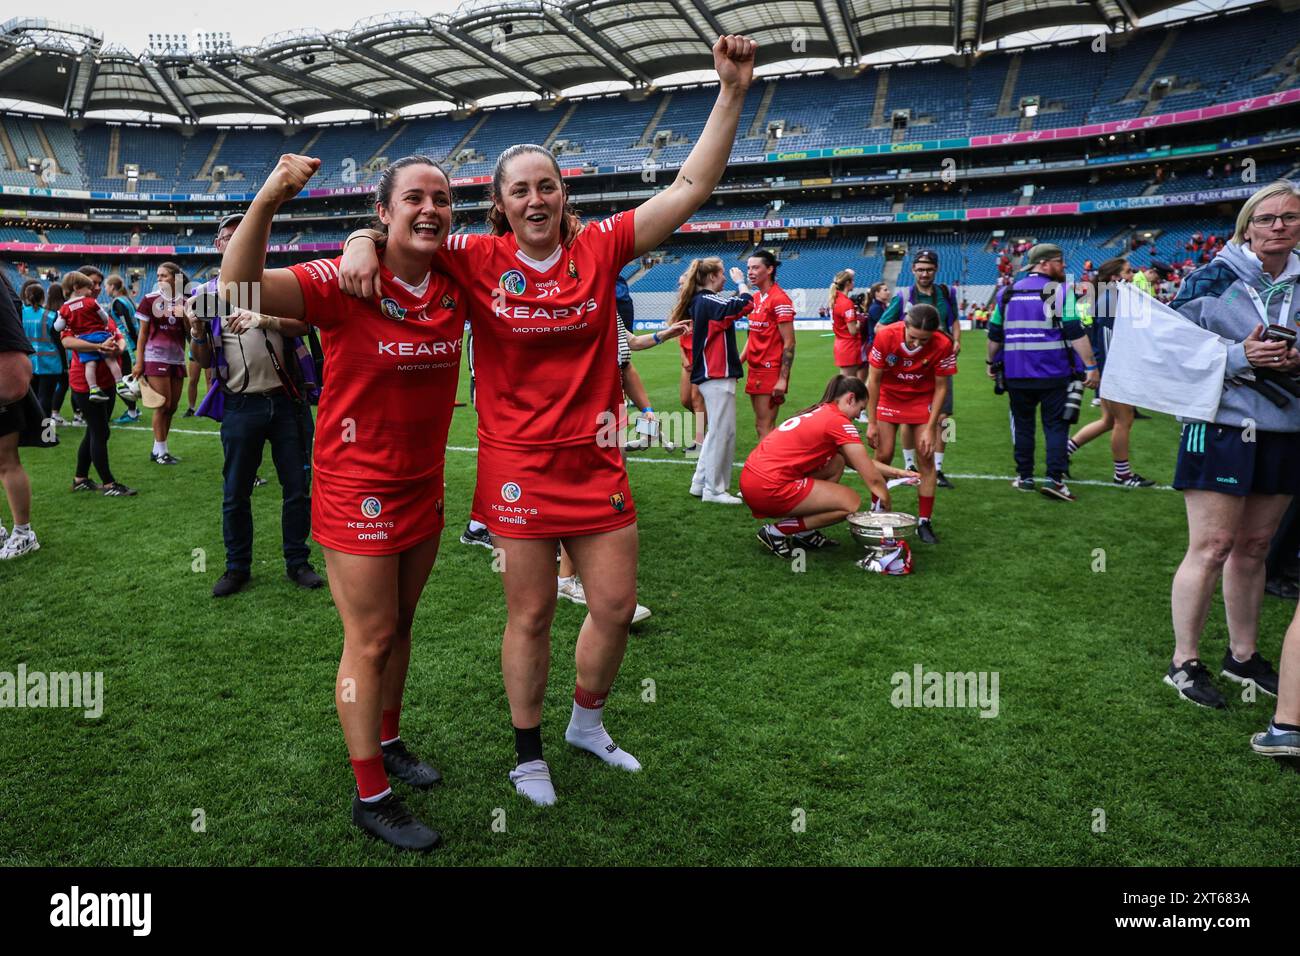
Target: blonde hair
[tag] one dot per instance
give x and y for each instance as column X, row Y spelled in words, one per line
column 72, row 281
column 838, row 285
column 692, row 282
column 1281, row 187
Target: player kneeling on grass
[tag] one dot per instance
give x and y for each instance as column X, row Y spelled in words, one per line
column 912, row 364
column 794, row 473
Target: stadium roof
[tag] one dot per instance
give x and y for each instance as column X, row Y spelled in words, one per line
column 387, row 62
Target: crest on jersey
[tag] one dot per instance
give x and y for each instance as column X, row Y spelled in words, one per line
column 573, row 269
column 448, row 302
column 391, row 309
column 511, row 492
column 370, row 507
column 618, row 501
column 514, row 282
column 891, row 359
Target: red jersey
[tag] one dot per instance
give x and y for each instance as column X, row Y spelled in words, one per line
column 842, row 313
column 393, row 367
column 545, row 334
column 685, row 340
column 802, row 444
column 764, row 345
column 909, row 375
column 83, row 315
column 77, row 370
column 164, row 328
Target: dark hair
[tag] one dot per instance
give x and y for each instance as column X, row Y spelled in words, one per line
column 388, row 180
column 92, row 272
column 33, row 293
column 1111, row 269
column 923, row 317
column 175, row 270
column 837, row 386
column 876, row 287
column 54, row 297
column 570, row 224
column 769, row 259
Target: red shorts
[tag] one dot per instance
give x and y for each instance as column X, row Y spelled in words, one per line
column 761, row 381
column 768, row 498
column 848, row 352
column 360, row 516
column 164, row 370
column 904, row 409
column 552, row 492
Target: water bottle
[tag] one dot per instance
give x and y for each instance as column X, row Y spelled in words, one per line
column 1073, row 400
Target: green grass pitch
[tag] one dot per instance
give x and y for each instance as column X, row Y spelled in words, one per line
column 770, row 739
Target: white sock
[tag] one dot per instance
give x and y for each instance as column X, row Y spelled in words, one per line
column 533, row 780
column 160, row 448
column 22, row 528
column 377, row 797
column 561, row 580
column 909, row 459
column 938, row 461
column 586, row 731
column 476, row 525
column 774, row 530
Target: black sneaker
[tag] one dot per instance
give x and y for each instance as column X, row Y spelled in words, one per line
column 305, row 576
column 189, row 413
column 1023, row 484
column 1255, row 671
column 166, row 458
column 407, row 767
column 1192, row 681
column 926, row 533
column 116, row 489
column 1278, row 587
column 1058, row 490
column 1134, row 480
column 230, row 583
column 480, row 537
column 778, row 544
column 390, row 821
column 85, row 484
column 942, row 481
column 816, row 540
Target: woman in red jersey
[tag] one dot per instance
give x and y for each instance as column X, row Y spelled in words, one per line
column 844, row 322
column 793, row 475
column 550, row 468
column 381, row 438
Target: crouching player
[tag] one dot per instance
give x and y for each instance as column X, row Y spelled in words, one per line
column 794, row 473
column 912, row 363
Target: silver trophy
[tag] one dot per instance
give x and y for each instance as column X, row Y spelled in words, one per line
column 878, row 532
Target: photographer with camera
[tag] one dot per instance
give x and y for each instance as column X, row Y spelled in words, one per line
column 263, row 382
column 1239, row 472
column 1034, row 334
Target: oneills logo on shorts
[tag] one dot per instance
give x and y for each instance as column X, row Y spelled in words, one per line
column 371, row 507
column 392, row 310
column 618, row 501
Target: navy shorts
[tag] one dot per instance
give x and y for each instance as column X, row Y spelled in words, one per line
column 1217, row 458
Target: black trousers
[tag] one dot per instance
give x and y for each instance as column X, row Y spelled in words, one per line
column 94, row 444
column 1024, row 429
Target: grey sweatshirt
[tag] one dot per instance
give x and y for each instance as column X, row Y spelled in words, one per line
column 1215, row 298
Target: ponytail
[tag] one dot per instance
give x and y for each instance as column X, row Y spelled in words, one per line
column 692, row 281
column 837, row 386
column 840, row 283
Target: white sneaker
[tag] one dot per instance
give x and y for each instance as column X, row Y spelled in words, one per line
column 533, row 780
column 721, row 498
column 18, row 544
column 571, row 588
column 1096, row 402
column 58, row 419
column 640, row 614
column 697, row 490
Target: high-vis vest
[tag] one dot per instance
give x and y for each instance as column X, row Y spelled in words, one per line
column 1033, row 344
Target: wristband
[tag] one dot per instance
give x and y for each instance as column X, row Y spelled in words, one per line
column 655, row 336
column 648, row 410
column 1090, row 368
column 195, row 340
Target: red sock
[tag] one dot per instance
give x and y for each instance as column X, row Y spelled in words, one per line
column 388, row 725
column 874, row 499
column 791, row 525
column 927, row 505
column 585, row 698
column 371, row 779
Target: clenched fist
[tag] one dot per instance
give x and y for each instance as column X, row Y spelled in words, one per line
column 288, row 179
column 733, row 58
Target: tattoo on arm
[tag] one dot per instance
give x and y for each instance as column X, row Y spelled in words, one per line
column 787, row 360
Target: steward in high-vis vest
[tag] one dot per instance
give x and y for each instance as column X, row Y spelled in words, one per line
column 1035, row 334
